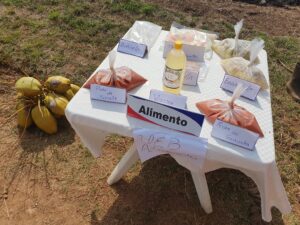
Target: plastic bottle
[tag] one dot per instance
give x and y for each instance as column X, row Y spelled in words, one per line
column 174, row 70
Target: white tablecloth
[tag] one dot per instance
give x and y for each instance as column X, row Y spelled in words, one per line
column 93, row 120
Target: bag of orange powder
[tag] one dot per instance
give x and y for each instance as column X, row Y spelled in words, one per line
column 230, row 112
column 121, row 77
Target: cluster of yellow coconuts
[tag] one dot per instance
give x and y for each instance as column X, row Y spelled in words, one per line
column 43, row 104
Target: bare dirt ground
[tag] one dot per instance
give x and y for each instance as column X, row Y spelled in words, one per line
column 270, row 19
column 54, row 180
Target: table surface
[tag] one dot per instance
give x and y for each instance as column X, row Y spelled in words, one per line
column 112, row 118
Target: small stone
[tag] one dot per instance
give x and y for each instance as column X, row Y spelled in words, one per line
column 30, row 211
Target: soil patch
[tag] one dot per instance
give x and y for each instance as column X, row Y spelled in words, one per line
column 273, row 20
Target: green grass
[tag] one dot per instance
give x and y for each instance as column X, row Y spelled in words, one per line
column 133, row 6
column 54, row 15
column 96, row 25
column 9, row 38
column 13, row 2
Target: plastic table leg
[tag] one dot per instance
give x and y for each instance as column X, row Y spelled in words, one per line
column 202, row 190
column 130, row 158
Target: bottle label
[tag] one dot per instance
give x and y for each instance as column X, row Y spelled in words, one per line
column 172, row 77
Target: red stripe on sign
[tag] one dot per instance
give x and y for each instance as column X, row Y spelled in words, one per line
column 132, row 113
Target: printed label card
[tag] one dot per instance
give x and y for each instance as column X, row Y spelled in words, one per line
column 164, row 115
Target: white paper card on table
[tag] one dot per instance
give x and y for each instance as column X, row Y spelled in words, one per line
column 230, row 83
column 192, row 52
column 151, row 143
column 132, row 48
column 164, row 115
column 191, row 73
column 234, row 134
column 178, row 101
column 108, row 94
column 190, row 78
column 203, row 70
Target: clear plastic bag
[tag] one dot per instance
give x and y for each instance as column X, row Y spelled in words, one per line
column 229, row 112
column 190, row 36
column 244, row 69
column 143, row 32
column 233, row 47
column 121, row 77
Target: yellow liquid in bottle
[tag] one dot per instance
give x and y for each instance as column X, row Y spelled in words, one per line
column 174, row 70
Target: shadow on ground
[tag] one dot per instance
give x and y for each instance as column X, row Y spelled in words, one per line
column 34, row 144
column 164, row 193
column 279, row 3
column 35, row 140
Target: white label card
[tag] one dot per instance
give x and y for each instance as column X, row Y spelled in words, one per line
column 151, row 143
column 178, row 101
column 132, row 48
column 108, row 94
column 234, row 134
column 192, row 52
column 191, row 73
column 190, row 78
column 230, row 83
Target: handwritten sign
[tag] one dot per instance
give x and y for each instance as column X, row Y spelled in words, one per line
column 108, row 94
column 191, row 73
column 132, row 48
column 164, row 115
column 151, row 143
column 178, row 101
column 234, row 134
column 230, row 82
column 192, row 52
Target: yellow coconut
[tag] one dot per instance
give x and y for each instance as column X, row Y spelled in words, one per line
column 75, row 88
column 69, row 94
column 23, row 115
column 56, row 103
column 28, row 86
column 20, row 95
column 44, row 120
column 58, row 84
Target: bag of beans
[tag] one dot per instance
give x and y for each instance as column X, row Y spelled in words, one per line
column 247, row 70
column 233, row 47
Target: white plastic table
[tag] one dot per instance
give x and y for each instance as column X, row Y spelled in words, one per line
column 94, row 120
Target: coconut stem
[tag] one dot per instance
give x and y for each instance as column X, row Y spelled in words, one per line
column 13, row 115
column 39, row 105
